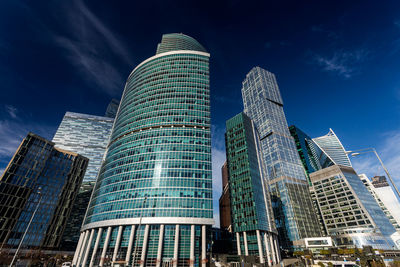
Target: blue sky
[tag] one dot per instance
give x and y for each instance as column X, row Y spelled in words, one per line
column 337, row 64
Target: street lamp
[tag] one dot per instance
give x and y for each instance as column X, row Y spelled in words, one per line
column 29, row 224
column 368, row 150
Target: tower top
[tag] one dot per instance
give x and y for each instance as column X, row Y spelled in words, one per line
column 178, row 41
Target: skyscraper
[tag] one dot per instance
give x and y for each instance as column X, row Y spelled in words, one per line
column 328, row 150
column 43, row 177
column 301, row 140
column 310, row 164
column 293, row 209
column 251, row 207
column 384, row 195
column 387, row 195
column 351, row 215
column 86, row 135
column 70, row 237
column 152, row 202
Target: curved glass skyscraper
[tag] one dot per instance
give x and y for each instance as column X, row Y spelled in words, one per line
column 153, row 198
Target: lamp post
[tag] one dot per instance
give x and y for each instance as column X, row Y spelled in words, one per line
column 368, row 150
column 29, row 224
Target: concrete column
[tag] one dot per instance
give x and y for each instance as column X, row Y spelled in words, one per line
column 260, row 248
column 130, row 244
column 203, row 246
column 239, row 250
column 144, row 247
column 78, row 248
column 271, row 242
column 175, row 259
column 246, row 249
column 192, row 234
column 267, row 249
column 278, row 252
column 78, row 263
column 114, row 258
column 96, row 246
column 86, row 253
column 106, row 241
column 160, row 243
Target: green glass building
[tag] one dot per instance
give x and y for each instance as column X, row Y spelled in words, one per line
column 251, row 208
column 152, row 202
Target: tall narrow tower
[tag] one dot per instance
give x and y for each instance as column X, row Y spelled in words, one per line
column 294, row 213
column 152, row 201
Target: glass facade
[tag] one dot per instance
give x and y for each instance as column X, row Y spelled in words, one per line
column 251, row 206
column 38, row 167
column 156, row 176
column 294, row 214
column 350, row 213
column 307, row 158
column 86, row 135
column 251, row 203
column 310, row 164
column 385, row 210
column 388, row 197
column 328, row 150
column 71, row 233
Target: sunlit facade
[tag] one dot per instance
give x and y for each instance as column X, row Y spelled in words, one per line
column 152, row 202
column 328, row 151
column 294, row 213
column 86, row 135
column 351, row 215
column 380, row 189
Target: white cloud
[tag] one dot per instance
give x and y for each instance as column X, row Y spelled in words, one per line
column 93, row 68
column 389, row 151
column 12, row 111
column 93, row 48
column 343, row 63
column 324, row 30
column 86, row 42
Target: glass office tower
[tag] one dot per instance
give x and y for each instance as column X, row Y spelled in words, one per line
column 328, row 150
column 251, row 207
column 385, row 196
column 152, row 201
column 301, row 140
column 86, row 135
column 351, row 215
column 294, row 213
column 42, row 177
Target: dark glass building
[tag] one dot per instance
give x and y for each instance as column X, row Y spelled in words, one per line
column 301, row 140
column 152, row 201
column 71, row 233
column 43, row 177
column 251, row 207
column 294, row 213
